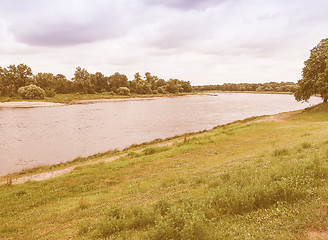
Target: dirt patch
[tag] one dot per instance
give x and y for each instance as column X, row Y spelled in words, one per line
column 314, row 235
column 56, row 173
column 280, row 117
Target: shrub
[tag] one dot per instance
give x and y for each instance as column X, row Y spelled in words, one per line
column 161, row 89
column 123, row 91
column 50, row 92
column 31, row 92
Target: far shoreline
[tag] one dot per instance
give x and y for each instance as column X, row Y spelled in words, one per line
column 18, row 103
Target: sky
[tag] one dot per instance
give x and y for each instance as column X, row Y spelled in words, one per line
column 201, row 41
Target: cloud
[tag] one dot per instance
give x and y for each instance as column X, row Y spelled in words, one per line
column 185, row 4
column 166, row 37
column 67, row 22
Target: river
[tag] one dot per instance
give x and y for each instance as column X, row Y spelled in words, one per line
column 31, row 137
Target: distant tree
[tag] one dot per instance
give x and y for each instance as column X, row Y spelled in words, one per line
column 82, row 81
column 160, row 83
column 140, row 87
column 186, row 87
column 62, row 85
column 2, row 81
column 151, row 81
column 117, row 80
column 174, row 86
column 100, row 82
column 45, row 80
column 315, row 74
column 17, row 76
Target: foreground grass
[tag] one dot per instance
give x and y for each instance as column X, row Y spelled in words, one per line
column 260, row 180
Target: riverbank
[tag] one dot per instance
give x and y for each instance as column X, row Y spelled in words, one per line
column 62, row 99
column 246, row 180
column 75, row 98
column 27, row 104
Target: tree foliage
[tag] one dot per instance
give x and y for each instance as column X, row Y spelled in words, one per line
column 315, row 74
column 13, row 77
column 250, row 87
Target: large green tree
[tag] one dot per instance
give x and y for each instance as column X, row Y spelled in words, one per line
column 14, row 77
column 82, row 81
column 45, row 80
column 315, row 74
column 117, row 80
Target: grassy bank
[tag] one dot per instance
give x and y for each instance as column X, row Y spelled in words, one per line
column 72, row 97
column 247, row 180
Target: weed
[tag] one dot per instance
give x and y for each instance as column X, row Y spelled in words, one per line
column 83, row 203
column 306, row 145
column 306, row 134
column 9, row 182
column 280, row 152
column 83, row 227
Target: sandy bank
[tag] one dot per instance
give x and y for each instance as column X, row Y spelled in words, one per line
column 26, row 104
column 101, row 100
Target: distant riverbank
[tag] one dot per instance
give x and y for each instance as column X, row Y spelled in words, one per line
column 27, row 104
column 65, row 99
column 75, row 98
column 33, row 103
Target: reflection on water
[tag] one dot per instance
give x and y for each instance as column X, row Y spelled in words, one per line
column 49, row 135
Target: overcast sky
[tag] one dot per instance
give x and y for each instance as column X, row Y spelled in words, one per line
column 202, row 41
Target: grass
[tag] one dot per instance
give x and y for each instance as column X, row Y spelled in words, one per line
column 260, row 180
column 71, row 97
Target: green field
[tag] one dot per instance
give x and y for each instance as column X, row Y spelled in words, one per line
column 246, row 180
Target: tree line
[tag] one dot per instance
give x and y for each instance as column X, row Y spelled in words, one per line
column 314, row 81
column 14, row 77
column 250, row 87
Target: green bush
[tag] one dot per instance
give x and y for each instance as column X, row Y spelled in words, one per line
column 31, row 92
column 123, row 91
column 50, row 92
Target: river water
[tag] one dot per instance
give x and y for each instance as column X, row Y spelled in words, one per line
column 31, row 137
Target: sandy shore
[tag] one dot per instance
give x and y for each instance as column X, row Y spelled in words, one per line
column 26, row 104
column 100, row 100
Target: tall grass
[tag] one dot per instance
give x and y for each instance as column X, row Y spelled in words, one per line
column 237, row 193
